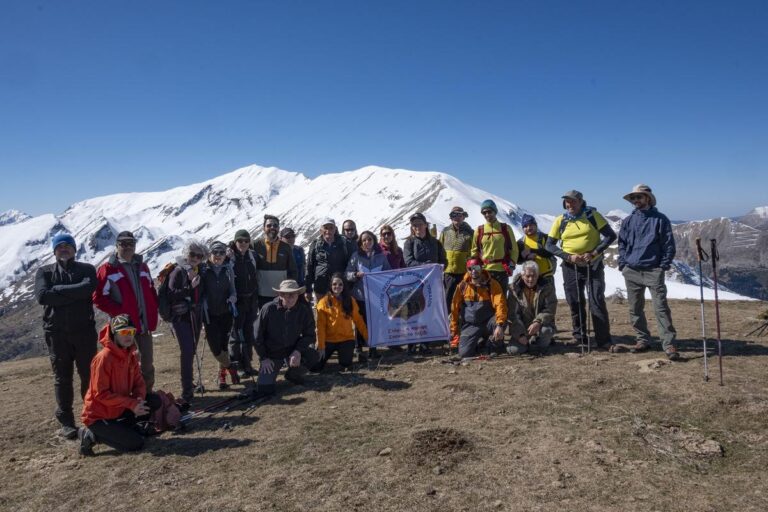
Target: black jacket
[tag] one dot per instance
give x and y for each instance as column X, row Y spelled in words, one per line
column 217, row 288
column 325, row 260
column 244, row 266
column 420, row 251
column 66, row 292
column 280, row 331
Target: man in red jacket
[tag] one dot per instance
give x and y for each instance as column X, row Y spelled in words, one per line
column 124, row 286
column 117, row 397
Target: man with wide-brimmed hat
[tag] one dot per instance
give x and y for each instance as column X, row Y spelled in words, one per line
column 457, row 242
column 285, row 334
column 646, row 251
column 65, row 288
column 584, row 236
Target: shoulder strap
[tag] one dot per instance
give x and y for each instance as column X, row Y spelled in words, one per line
column 507, row 241
column 590, row 213
column 479, row 241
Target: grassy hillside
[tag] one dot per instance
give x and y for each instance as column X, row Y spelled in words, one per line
column 604, row 432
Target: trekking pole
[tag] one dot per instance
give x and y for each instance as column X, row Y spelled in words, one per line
column 578, row 295
column 200, row 388
column 589, row 307
column 702, row 257
column 715, row 258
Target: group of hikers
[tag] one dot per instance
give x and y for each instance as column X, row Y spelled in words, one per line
column 258, row 296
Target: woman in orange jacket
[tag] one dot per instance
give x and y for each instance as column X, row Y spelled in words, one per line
column 117, row 396
column 337, row 313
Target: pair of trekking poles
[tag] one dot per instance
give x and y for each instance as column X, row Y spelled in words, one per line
column 714, row 255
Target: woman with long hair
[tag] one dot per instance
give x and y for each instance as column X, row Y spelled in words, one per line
column 337, row 313
column 390, row 247
column 368, row 258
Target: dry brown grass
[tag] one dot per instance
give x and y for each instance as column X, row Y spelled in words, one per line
column 561, row 432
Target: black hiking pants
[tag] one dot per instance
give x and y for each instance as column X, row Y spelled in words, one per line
column 346, row 350
column 241, row 340
column 66, row 351
column 575, row 280
column 123, row 434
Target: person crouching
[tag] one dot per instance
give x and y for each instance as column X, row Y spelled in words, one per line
column 532, row 304
column 117, row 397
column 478, row 311
column 284, row 334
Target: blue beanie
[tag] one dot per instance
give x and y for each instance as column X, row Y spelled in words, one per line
column 528, row 219
column 63, row 238
column 488, row 204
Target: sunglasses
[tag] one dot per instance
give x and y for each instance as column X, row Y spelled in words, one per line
column 456, row 215
column 386, row 233
column 271, row 225
column 242, row 241
column 635, row 197
column 196, row 255
column 218, row 253
column 126, row 331
column 476, row 268
column 126, row 243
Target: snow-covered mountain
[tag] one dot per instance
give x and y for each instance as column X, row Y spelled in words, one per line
column 13, row 217
column 216, row 208
column 757, row 218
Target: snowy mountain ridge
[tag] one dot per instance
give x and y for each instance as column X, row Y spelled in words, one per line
column 216, row 208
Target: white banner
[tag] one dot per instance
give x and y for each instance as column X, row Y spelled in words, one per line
column 406, row 305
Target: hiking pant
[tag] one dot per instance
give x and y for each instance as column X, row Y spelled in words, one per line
column 122, row 433
column 217, row 331
column 637, row 281
column 575, row 279
column 539, row 345
column 241, row 340
column 309, row 361
column 187, row 330
column 145, row 346
column 360, row 340
column 502, row 278
column 346, row 350
column 472, row 334
column 451, row 281
column 66, row 351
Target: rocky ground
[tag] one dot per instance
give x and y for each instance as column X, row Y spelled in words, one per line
column 602, row 432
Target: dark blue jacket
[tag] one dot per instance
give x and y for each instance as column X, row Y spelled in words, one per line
column 301, row 270
column 646, row 240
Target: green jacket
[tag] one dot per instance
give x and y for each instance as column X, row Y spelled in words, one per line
column 458, row 247
column 521, row 313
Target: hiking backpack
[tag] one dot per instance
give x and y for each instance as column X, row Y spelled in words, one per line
column 590, row 214
column 163, row 304
column 506, row 261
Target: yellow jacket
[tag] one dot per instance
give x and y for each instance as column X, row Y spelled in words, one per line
column 493, row 246
column 333, row 326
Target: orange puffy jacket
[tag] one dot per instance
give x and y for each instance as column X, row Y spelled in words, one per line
column 116, row 381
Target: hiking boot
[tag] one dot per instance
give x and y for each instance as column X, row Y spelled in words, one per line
column 361, row 357
column 68, row 432
column 233, row 375
column 293, row 375
column 639, row 347
column 672, row 353
column 223, row 379
column 373, row 352
column 87, row 440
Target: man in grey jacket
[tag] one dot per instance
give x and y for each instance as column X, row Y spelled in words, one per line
column 646, row 251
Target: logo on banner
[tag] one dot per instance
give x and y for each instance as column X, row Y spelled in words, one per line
column 405, row 300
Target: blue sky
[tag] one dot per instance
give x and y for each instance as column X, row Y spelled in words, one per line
column 527, row 99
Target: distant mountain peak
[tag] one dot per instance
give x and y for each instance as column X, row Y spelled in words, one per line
column 13, row 217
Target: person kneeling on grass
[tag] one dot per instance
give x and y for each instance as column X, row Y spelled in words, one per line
column 337, row 312
column 117, row 399
column 532, row 304
column 285, row 333
column 478, row 311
